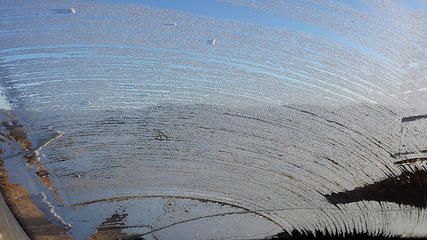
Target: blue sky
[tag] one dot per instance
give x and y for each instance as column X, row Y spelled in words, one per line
column 214, row 8
column 217, row 9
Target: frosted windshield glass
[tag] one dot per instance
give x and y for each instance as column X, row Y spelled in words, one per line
column 224, row 119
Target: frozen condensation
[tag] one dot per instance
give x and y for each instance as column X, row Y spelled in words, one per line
column 201, row 127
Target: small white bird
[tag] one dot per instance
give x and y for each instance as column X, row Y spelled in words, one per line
column 213, row 41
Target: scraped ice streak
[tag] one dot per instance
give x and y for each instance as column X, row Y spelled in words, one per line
column 244, row 136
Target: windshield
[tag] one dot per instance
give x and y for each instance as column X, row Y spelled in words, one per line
column 225, row 119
